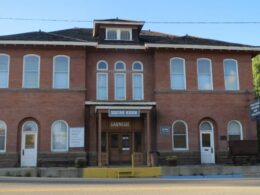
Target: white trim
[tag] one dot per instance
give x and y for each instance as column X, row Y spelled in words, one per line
column 53, row 71
column 39, row 70
column 185, row 46
column 120, row 103
column 118, row 22
column 187, row 136
column 115, row 87
column 107, row 46
column 123, row 107
column 241, row 129
column 8, row 69
column 238, row 84
column 105, row 63
column 142, row 82
column 139, row 62
column 60, row 150
column 118, row 70
column 211, row 75
column 184, row 72
column 102, row 73
column 5, row 126
column 66, row 43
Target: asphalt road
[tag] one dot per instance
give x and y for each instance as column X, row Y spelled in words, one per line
column 51, row 186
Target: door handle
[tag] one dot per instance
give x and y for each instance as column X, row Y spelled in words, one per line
column 211, row 150
column 23, row 152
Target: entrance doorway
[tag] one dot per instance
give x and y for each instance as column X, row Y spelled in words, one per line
column 207, row 148
column 120, row 148
column 29, row 144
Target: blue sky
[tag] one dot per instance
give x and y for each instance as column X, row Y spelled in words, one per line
column 146, row 10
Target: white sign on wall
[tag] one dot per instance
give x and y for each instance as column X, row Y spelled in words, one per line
column 76, row 137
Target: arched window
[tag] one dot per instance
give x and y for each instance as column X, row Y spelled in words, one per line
column 177, row 71
column 231, row 75
column 31, row 71
column 120, row 81
column 61, row 66
column 137, row 81
column 59, row 136
column 102, row 80
column 235, row 130
column 204, row 74
column 3, row 129
column 4, row 70
column 206, row 126
column 180, row 135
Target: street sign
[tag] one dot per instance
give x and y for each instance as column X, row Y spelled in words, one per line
column 255, row 109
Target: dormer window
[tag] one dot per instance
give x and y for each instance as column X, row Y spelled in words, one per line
column 119, row 34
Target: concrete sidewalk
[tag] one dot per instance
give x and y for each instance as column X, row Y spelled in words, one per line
column 191, row 170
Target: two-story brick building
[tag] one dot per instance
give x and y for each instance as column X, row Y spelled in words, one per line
column 116, row 90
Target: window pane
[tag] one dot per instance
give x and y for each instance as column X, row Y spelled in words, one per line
column 102, row 66
column 205, row 126
column 102, row 87
column 137, row 66
column 61, row 76
column 177, row 74
column 2, row 142
column 137, row 87
column 3, row 71
column 234, row 137
column 112, row 35
column 31, row 72
column 179, row 141
column 230, row 71
column 120, row 66
column 179, row 128
column 125, row 35
column 60, row 134
column 204, row 82
column 204, row 75
column 120, row 86
column 205, row 140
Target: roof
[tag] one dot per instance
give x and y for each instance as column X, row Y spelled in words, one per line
column 84, row 36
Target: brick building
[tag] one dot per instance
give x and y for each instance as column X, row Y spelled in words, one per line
column 115, row 90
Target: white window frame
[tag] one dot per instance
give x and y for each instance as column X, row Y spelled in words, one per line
column 241, row 129
column 102, row 69
column 142, row 67
column 118, row 34
column 8, row 69
column 211, row 74
column 120, row 73
column 187, row 136
column 53, row 72
column 184, row 72
column 142, row 80
column 59, row 150
column 3, row 151
column 102, row 73
column 238, row 84
column 39, row 70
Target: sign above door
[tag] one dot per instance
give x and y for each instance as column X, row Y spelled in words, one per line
column 124, row 113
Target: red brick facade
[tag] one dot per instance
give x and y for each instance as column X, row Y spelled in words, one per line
column 46, row 105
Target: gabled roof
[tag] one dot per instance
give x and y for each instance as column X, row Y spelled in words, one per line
column 116, row 21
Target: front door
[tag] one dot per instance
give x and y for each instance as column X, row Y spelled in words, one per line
column 207, row 149
column 29, row 144
column 120, row 148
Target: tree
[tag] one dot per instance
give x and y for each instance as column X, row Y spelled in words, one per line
column 256, row 74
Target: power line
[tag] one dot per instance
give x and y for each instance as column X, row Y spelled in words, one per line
column 147, row 22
